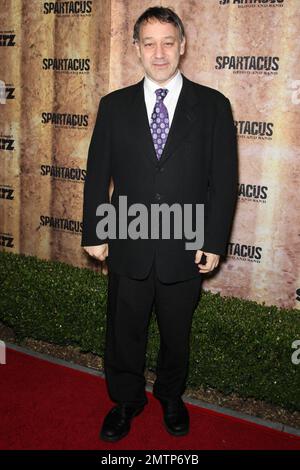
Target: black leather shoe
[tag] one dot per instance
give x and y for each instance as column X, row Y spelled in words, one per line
column 176, row 417
column 116, row 423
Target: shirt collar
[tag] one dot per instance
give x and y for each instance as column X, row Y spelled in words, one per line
column 150, row 86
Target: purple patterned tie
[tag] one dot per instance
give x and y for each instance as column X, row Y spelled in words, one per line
column 159, row 124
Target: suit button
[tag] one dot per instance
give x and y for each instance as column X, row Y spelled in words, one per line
column 161, row 170
column 157, row 197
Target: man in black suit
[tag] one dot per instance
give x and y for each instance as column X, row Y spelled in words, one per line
column 163, row 140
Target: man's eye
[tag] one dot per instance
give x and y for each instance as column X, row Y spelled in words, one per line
column 149, row 44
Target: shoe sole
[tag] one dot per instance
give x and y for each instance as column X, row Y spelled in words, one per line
column 117, row 438
column 113, row 439
column 176, row 433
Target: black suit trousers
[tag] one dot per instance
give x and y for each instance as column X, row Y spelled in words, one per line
column 130, row 303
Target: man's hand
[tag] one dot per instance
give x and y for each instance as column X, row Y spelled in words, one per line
column 99, row 252
column 212, row 261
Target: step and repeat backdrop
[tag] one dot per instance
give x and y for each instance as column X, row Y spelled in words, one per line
column 58, row 58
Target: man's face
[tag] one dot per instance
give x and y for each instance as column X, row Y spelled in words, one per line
column 159, row 49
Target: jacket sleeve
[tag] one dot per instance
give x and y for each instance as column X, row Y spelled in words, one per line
column 223, row 181
column 97, row 179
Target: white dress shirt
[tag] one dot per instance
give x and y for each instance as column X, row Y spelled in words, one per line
column 174, row 86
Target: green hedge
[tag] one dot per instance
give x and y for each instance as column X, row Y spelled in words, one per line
column 236, row 345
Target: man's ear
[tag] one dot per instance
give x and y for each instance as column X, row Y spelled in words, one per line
column 182, row 46
column 137, row 48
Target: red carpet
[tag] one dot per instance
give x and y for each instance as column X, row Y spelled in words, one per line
column 48, row 406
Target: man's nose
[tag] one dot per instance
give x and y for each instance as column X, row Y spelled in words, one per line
column 159, row 51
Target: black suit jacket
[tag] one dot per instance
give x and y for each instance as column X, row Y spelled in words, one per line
column 198, row 165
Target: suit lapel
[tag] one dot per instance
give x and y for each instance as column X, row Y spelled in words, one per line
column 183, row 117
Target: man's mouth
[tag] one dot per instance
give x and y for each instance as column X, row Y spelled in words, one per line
column 160, row 65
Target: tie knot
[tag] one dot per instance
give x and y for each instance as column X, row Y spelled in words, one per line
column 161, row 93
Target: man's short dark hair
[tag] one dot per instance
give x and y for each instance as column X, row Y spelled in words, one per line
column 163, row 14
